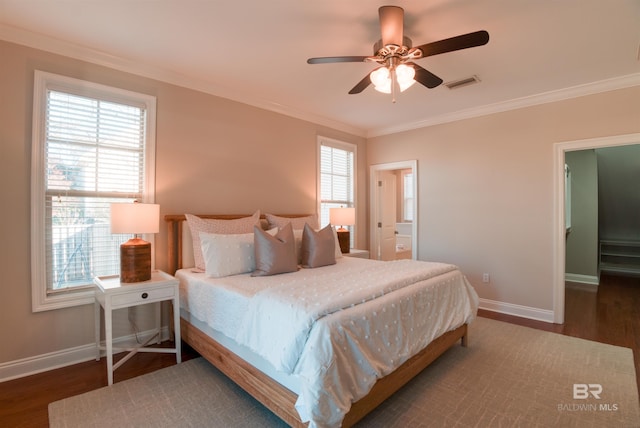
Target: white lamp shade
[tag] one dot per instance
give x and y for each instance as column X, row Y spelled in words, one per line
column 135, row 218
column 342, row 216
column 381, row 79
column 405, row 75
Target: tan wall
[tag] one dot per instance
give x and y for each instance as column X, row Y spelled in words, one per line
column 213, row 156
column 485, row 184
column 486, row 192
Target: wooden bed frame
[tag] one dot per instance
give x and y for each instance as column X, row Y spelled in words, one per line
column 277, row 398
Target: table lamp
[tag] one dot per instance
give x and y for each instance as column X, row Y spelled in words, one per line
column 135, row 254
column 343, row 217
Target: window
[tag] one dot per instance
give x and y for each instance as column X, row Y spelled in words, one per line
column 92, row 145
column 337, row 182
column 407, row 196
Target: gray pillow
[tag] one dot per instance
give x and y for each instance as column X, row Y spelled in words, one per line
column 274, row 254
column 318, row 248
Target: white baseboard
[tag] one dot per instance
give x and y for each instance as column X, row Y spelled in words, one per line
column 582, row 282
column 66, row 357
column 517, row 310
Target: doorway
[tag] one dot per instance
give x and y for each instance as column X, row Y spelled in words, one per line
column 559, row 209
column 394, row 210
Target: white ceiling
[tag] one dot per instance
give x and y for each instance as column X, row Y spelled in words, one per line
column 255, row 52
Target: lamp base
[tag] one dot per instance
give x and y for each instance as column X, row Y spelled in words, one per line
column 135, row 261
column 344, row 240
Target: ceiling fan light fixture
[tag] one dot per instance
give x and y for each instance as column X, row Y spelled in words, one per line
column 385, row 89
column 381, row 79
column 405, row 75
column 394, row 54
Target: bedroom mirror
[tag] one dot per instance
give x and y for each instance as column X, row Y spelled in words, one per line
column 393, row 210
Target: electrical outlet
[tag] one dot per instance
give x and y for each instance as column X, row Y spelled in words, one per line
column 485, row 277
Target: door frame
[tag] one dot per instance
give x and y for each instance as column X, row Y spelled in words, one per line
column 559, row 229
column 373, row 203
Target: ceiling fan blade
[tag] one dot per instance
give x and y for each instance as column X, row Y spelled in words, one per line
column 425, row 77
column 330, row 59
column 362, row 85
column 391, row 25
column 456, row 43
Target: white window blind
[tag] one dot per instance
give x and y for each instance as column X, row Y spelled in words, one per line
column 337, row 181
column 407, row 195
column 93, row 151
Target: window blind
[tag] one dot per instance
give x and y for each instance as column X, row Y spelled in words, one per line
column 407, row 187
column 336, row 179
column 94, row 155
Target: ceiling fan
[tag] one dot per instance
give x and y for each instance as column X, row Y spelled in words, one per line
column 394, row 53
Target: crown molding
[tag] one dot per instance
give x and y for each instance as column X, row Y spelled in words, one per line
column 533, row 100
column 83, row 53
column 39, row 41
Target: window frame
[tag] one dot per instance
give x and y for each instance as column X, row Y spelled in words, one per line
column 404, row 174
column 342, row 145
column 42, row 298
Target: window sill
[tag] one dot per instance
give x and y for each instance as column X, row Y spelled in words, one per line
column 63, row 299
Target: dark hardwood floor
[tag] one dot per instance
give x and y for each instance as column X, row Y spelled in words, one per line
column 612, row 315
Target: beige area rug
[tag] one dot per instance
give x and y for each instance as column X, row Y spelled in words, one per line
column 509, row 376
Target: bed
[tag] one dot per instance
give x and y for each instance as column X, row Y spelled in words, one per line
column 227, row 320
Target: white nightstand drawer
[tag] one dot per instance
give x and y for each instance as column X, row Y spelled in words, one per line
column 137, row 297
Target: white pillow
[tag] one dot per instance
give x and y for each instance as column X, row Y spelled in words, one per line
column 226, row 255
column 219, row 226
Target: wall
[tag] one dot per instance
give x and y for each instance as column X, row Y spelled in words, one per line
column 486, row 189
column 213, row 156
column 581, row 261
column 485, row 184
column 619, row 175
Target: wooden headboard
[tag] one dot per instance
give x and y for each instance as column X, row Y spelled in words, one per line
column 176, row 230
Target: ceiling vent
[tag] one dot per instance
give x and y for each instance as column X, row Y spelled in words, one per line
column 462, row 82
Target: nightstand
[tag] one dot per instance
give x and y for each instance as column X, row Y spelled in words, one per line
column 363, row 254
column 111, row 294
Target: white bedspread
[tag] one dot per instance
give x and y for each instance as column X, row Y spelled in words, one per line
column 219, row 302
column 349, row 350
column 342, row 326
column 279, row 318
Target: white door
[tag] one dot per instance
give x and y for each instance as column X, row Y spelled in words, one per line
column 382, row 209
column 387, row 215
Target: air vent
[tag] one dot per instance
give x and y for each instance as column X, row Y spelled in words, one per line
column 462, row 82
